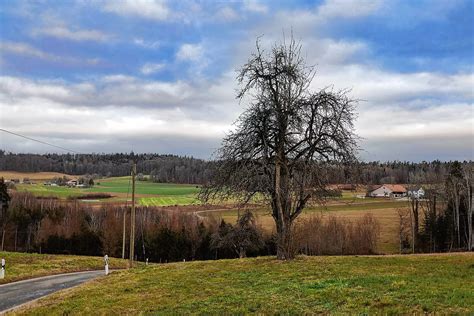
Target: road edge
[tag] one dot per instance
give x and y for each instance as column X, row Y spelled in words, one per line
column 34, row 301
column 50, row 276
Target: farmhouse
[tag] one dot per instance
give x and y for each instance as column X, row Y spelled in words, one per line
column 416, row 193
column 72, row 183
column 388, row 190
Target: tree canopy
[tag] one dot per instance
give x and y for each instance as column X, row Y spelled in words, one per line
column 285, row 139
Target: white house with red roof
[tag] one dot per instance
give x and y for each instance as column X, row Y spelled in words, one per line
column 388, row 190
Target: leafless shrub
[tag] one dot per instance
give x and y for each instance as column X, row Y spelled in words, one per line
column 331, row 235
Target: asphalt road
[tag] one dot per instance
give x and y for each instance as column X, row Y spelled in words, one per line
column 17, row 293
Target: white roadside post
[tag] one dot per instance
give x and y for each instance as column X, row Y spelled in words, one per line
column 106, row 260
column 146, row 261
column 2, row 271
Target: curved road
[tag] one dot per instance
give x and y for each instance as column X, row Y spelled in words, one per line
column 18, row 293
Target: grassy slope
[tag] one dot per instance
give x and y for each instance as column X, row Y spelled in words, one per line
column 24, row 266
column 397, row 284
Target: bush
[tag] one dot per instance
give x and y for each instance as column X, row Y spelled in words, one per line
column 336, row 236
column 91, row 196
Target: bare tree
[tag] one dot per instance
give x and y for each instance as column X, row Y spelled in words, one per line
column 241, row 237
column 455, row 186
column 405, row 228
column 469, row 200
column 4, row 216
column 285, row 140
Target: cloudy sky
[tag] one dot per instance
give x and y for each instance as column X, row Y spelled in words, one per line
column 158, row 76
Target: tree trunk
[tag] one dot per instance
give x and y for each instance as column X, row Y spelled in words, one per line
column 412, row 226
column 435, row 224
column 417, row 223
column 28, row 238
column 456, row 214
column 3, row 238
column 285, row 249
column 469, row 221
column 16, row 235
column 242, row 253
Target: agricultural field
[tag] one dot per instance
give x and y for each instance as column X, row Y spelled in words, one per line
column 29, row 265
column 440, row 284
column 384, row 211
column 148, row 193
column 34, row 176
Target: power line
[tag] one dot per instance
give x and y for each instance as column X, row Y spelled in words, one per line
column 125, row 219
column 39, row 141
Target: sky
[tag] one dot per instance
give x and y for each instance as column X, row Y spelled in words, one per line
column 160, row 76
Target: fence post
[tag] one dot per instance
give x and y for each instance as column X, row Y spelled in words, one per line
column 2, row 271
column 106, row 260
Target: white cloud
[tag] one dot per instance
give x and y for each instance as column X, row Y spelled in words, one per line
column 347, row 8
column 375, row 85
column 115, row 112
column 148, row 9
column 432, row 120
column 146, row 44
column 117, row 78
column 326, row 51
column 61, row 31
column 312, row 23
column 190, row 52
column 227, row 14
column 150, row 68
column 24, row 49
column 125, row 91
column 254, row 6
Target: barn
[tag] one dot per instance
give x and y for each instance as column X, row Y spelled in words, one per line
column 388, row 190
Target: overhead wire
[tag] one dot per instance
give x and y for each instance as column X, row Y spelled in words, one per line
column 38, row 141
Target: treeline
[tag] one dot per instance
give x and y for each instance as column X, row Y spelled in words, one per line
column 162, row 168
column 443, row 220
column 163, row 235
column 178, row 169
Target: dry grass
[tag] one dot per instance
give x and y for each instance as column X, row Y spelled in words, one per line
column 21, row 266
column 387, row 218
column 35, row 176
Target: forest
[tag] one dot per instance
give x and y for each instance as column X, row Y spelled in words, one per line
column 184, row 169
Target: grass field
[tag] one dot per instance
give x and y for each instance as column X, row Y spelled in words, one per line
column 21, row 266
column 388, row 285
column 384, row 211
column 148, row 193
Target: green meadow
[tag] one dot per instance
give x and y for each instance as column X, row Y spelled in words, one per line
column 30, row 265
column 409, row 284
column 160, row 194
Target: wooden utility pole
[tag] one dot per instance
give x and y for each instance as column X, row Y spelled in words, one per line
column 132, row 217
column 124, row 232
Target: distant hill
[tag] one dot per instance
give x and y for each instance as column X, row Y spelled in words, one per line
column 162, row 168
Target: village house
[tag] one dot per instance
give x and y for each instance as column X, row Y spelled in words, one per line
column 72, row 183
column 388, row 190
column 416, row 193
